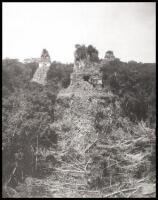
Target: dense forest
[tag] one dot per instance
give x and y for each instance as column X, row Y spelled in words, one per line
column 28, row 108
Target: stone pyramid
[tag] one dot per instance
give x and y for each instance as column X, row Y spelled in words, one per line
column 40, row 75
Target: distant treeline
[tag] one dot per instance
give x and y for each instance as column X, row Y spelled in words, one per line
column 135, row 84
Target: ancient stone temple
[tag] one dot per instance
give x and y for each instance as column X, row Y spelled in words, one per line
column 109, row 56
column 77, row 114
column 88, row 71
column 40, row 75
column 76, row 106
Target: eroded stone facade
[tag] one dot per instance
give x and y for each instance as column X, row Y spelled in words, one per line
column 44, row 65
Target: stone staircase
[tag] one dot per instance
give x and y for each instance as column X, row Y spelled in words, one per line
column 40, row 75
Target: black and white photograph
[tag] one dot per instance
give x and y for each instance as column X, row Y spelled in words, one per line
column 79, row 99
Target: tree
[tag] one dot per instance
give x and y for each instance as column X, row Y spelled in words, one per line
column 80, row 52
column 93, row 53
column 27, row 112
column 135, row 84
column 89, row 53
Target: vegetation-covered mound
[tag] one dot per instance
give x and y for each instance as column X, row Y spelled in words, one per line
column 119, row 162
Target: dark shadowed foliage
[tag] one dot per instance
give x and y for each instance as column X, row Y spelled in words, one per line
column 135, row 84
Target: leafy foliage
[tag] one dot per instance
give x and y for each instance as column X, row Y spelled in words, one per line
column 28, row 110
column 82, row 52
column 135, row 84
column 60, row 73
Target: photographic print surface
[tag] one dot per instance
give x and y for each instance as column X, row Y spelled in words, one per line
column 79, row 100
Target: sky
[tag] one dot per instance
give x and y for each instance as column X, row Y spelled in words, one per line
column 128, row 29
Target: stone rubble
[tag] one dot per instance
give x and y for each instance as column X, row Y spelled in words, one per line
column 75, row 108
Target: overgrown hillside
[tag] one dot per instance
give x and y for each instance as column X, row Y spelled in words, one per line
column 122, row 154
column 28, row 109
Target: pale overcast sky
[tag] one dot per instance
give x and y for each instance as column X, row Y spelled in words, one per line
column 129, row 29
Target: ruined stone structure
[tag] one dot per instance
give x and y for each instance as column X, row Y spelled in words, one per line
column 109, row 56
column 87, row 71
column 76, row 106
column 44, row 65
